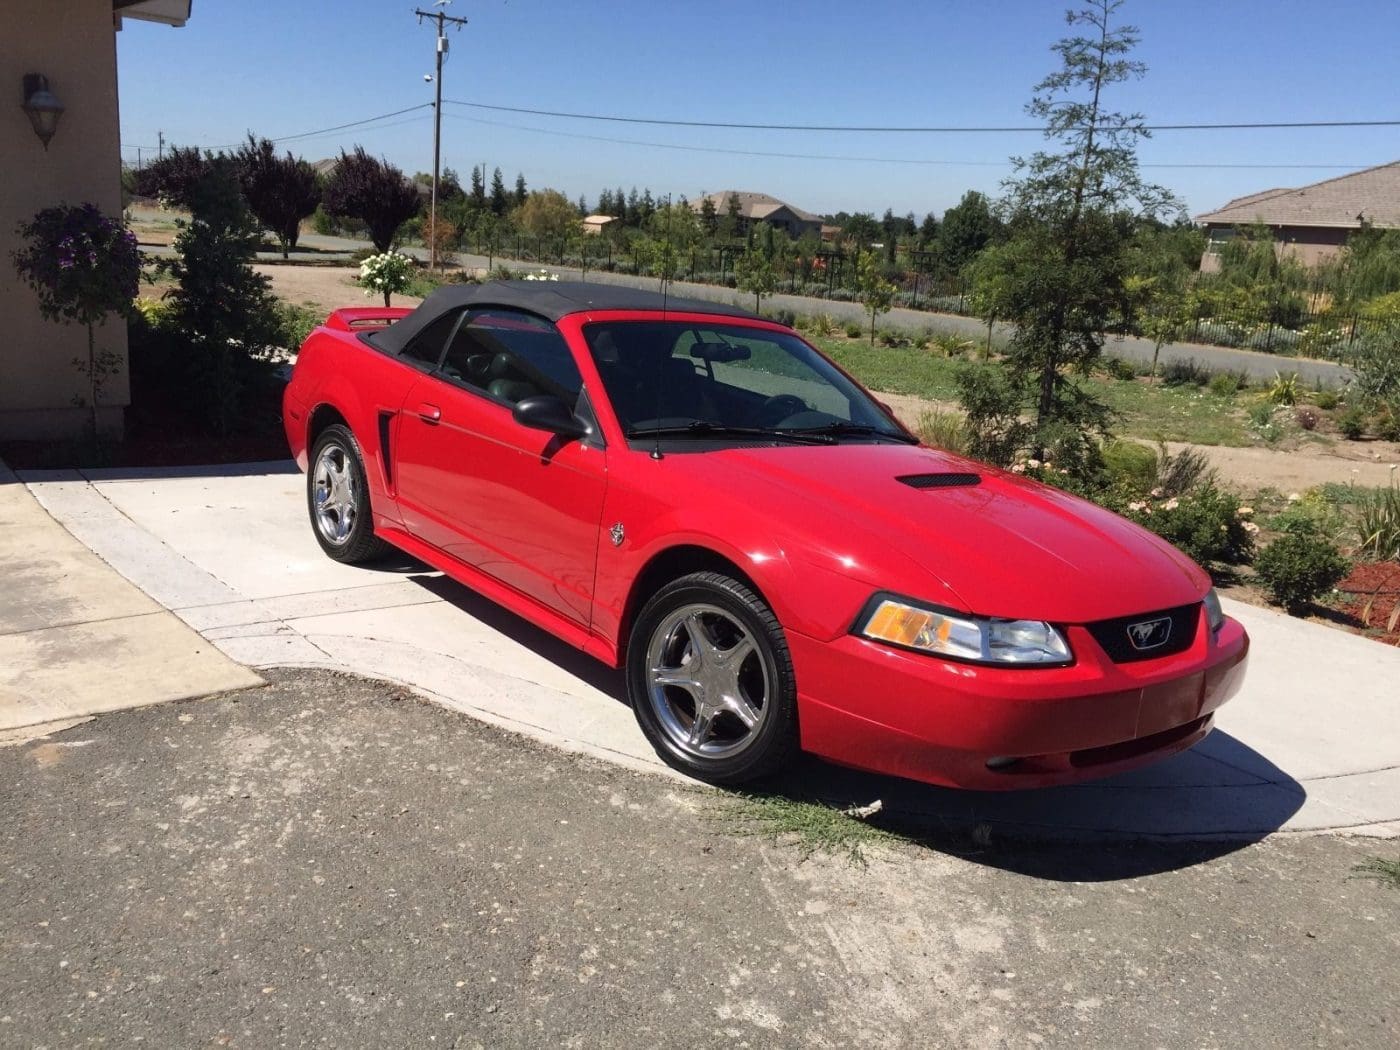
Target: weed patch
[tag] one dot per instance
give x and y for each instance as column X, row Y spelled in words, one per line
column 810, row 827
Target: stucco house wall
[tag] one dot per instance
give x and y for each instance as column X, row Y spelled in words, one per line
column 73, row 44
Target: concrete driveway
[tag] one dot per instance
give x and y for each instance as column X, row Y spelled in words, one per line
column 1313, row 742
column 77, row 639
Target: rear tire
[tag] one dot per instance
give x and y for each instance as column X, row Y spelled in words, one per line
column 710, row 679
column 337, row 498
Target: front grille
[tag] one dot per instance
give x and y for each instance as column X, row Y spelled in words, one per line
column 939, row 481
column 1131, row 638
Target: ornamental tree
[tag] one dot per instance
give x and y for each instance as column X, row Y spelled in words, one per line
column 280, row 191
column 386, row 273
column 875, row 292
column 1060, row 278
column 375, row 192
column 548, row 214
column 754, row 272
column 83, row 265
column 172, row 178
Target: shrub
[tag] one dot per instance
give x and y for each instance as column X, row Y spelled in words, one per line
column 1118, row 368
column 1261, row 414
column 1378, row 525
column 222, row 310
column 1281, row 341
column 853, row 330
column 889, row 337
column 995, row 429
column 1375, row 364
column 943, row 429
column 386, row 273
column 1298, row 568
column 1130, row 466
column 83, row 266
column 787, row 317
column 1284, row 389
column 953, row 345
column 824, row 324
column 1185, row 373
column 295, row 324
column 1224, row 384
column 1352, row 423
column 1180, row 473
column 1388, row 421
column 1205, row 524
column 1219, row 333
column 1306, row 417
column 1326, row 400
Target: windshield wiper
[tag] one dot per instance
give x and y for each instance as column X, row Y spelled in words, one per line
column 704, row 429
column 842, row 427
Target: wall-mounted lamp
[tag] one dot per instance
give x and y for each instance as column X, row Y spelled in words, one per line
column 42, row 105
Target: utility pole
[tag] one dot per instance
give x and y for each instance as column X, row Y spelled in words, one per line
column 442, row 19
column 160, row 135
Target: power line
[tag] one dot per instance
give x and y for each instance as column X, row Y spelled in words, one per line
column 871, row 160
column 319, row 131
column 730, row 125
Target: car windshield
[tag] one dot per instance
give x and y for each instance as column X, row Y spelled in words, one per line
column 704, row 379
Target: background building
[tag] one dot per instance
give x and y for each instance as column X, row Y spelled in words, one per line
column 760, row 207
column 73, row 44
column 1312, row 222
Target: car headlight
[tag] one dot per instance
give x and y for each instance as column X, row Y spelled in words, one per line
column 1215, row 615
column 975, row 638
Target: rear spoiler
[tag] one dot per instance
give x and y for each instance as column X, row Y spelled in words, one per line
column 365, row 318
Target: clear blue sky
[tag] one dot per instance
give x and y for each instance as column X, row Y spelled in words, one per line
column 300, row 65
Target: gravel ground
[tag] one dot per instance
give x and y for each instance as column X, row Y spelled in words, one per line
column 332, row 862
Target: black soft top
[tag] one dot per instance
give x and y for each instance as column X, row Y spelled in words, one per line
column 548, row 299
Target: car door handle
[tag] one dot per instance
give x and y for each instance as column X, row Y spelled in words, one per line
column 429, row 413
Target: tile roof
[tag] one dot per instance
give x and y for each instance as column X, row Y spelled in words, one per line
column 754, row 205
column 1339, row 202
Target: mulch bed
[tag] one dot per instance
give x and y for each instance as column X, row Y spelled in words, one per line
column 1370, row 596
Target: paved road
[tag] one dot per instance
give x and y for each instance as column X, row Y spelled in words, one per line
column 329, row 862
column 1139, row 351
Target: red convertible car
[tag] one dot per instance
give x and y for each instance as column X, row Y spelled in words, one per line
column 695, row 494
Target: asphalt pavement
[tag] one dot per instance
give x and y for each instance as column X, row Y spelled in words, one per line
column 331, row 862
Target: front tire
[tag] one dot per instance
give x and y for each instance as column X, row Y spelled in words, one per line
column 710, row 679
column 337, row 499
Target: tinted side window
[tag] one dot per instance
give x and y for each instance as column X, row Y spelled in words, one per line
column 511, row 356
column 426, row 349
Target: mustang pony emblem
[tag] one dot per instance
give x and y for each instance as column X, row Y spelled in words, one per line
column 1150, row 634
column 618, row 534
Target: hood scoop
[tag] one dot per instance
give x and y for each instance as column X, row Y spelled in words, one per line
column 939, row 481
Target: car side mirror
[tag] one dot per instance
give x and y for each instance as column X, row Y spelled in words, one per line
column 547, row 412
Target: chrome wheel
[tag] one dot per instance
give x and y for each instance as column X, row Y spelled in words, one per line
column 707, row 681
column 334, row 494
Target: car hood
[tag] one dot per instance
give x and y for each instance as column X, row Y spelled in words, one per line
column 1005, row 547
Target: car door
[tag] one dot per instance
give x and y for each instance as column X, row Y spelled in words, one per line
column 520, row 504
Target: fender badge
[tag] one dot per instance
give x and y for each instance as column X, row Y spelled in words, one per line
column 618, row 534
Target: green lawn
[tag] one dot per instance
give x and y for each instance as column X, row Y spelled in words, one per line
column 894, row 370
column 1155, row 412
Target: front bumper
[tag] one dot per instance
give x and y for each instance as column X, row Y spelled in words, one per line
column 867, row 705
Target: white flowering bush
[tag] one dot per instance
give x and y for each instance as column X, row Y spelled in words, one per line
column 541, row 275
column 386, row 273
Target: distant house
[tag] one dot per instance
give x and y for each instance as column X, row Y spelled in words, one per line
column 598, row 223
column 760, row 207
column 1311, row 223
